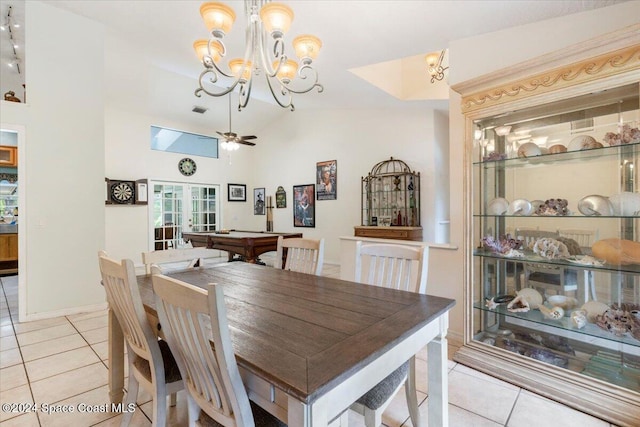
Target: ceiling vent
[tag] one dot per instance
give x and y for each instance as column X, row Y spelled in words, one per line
column 199, row 110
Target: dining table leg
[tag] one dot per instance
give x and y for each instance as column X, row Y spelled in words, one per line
column 438, row 400
column 116, row 359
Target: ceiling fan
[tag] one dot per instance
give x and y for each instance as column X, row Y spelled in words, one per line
column 231, row 137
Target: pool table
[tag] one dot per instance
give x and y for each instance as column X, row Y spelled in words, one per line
column 248, row 245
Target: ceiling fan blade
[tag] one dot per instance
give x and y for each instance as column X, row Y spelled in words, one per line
column 220, row 133
column 245, row 142
column 249, row 137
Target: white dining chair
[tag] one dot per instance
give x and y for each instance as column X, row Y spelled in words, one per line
column 194, row 321
column 544, row 276
column 398, row 267
column 150, row 361
column 193, row 256
column 303, row 255
column 585, row 239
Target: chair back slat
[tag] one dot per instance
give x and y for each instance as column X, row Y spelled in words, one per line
column 123, row 296
column 303, row 255
column 195, row 325
column 392, row 266
column 193, row 255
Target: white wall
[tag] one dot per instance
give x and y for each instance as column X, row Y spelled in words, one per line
column 357, row 139
column 61, row 163
column 479, row 55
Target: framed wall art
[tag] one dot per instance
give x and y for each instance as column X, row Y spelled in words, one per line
column 304, row 213
column 236, row 192
column 258, row 201
column 326, row 180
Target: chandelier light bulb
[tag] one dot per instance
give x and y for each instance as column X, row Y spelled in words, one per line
column 218, row 18
column 276, row 18
column 201, row 47
column 307, row 47
column 237, row 66
column 287, row 71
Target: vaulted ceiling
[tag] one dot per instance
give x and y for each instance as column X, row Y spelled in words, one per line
column 371, row 56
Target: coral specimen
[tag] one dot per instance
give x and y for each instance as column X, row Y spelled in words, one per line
column 619, row 320
column 625, row 135
column 493, row 156
column 557, row 207
column 550, row 248
column 503, row 245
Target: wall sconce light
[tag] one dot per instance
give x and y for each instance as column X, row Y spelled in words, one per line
column 434, row 65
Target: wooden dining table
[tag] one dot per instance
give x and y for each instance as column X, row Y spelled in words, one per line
column 309, row 346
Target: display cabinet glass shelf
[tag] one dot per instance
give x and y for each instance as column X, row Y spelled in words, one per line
column 553, row 250
column 390, row 196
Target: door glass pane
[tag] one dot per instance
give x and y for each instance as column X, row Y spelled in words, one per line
column 179, row 208
column 203, row 208
column 167, row 215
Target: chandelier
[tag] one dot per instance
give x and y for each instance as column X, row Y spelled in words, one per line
column 267, row 22
column 434, row 65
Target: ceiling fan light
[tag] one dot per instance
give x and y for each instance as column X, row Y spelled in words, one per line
column 276, row 18
column 307, row 47
column 236, row 66
column 218, row 18
column 287, row 71
column 201, row 46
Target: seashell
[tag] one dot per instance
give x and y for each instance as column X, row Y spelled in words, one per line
column 579, row 319
column 593, row 309
column 533, row 297
column 553, row 313
column 557, row 148
column 520, row 207
column 497, row 206
column 529, row 149
column 583, row 142
column 519, row 305
column 595, row 205
column 625, row 203
column 562, row 301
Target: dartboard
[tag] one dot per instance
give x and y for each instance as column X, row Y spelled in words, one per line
column 122, row 192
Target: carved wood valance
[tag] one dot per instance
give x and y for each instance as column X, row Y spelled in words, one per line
column 609, row 64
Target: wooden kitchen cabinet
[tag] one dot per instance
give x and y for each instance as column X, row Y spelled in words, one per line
column 8, row 156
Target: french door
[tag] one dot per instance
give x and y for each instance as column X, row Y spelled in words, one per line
column 180, row 207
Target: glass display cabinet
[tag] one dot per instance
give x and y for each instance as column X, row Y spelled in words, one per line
column 553, row 249
column 390, row 196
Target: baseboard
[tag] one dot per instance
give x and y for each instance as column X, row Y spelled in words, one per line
column 64, row 312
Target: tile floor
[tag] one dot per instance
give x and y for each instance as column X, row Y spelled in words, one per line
column 62, row 361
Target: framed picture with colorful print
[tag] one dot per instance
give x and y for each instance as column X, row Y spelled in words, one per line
column 304, row 213
column 327, row 180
